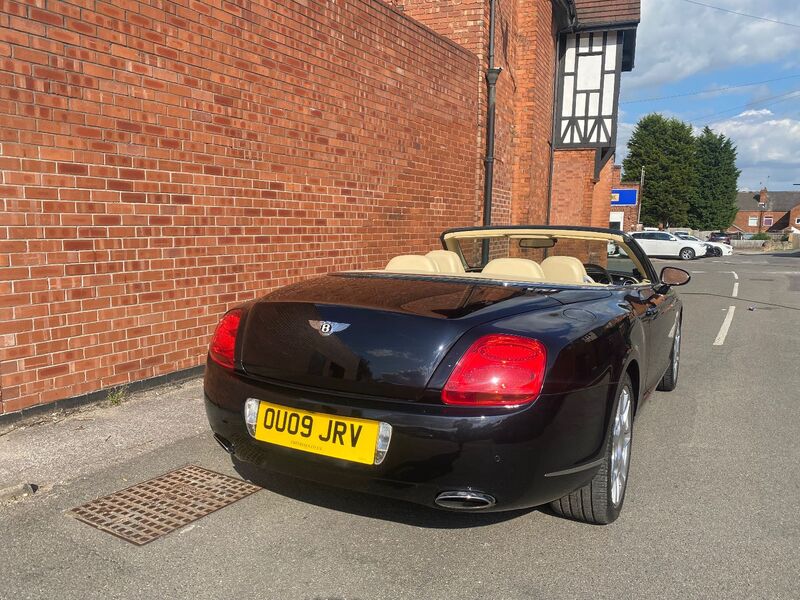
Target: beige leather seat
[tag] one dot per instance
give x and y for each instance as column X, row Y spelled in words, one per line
column 514, row 269
column 565, row 269
column 447, row 261
column 411, row 263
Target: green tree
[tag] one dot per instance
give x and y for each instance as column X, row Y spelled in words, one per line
column 715, row 202
column 666, row 149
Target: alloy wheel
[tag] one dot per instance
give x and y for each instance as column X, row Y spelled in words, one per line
column 676, row 351
column 621, row 446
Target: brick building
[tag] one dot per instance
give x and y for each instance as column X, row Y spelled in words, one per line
column 624, row 217
column 163, row 161
column 767, row 212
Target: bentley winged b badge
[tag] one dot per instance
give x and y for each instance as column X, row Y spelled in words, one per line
column 326, row 328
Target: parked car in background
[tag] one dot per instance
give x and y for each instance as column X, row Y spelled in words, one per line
column 664, row 244
column 716, row 248
column 720, row 236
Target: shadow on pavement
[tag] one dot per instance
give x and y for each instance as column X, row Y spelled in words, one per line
column 367, row 505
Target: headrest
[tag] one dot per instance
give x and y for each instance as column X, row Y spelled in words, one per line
column 511, row 268
column 446, row 260
column 564, row 269
column 411, row 263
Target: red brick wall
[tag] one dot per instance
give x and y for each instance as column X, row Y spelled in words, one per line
column 578, row 198
column 459, row 20
column 573, row 187
column 779, row 221
column 466, row 22
column 534, row 77
column 162, row 162
column 601, row 196
column 505, row 138
column 794, row 215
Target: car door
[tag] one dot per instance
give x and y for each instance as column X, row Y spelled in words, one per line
column 666, row 244
column 644, row 242
column 656, row 307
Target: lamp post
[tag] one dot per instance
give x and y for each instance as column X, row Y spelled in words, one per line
column 641, row 190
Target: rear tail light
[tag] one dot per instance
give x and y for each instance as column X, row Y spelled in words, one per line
column 223, row 344
column 497, row 370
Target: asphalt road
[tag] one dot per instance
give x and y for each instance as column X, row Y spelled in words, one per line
column 711, row 511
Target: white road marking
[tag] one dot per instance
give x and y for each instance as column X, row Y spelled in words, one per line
column 735, row 276
column 735, row 289
column 696, row 272
column 726, row 324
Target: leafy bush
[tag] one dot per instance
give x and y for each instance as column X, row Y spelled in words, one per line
column 761, row 236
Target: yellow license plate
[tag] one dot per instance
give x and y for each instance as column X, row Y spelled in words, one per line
column 340, row 437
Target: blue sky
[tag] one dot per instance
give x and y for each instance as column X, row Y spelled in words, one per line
column 683, row 48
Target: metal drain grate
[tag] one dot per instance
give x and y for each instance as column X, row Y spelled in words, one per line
column 148, row 510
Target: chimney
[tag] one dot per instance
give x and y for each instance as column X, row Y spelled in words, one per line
column 763, row 197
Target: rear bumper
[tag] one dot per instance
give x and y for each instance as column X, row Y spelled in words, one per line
column 522, row 458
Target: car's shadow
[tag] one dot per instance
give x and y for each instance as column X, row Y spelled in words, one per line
column 367, row 505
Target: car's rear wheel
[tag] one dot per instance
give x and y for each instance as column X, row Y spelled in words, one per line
column 600, row 500
column 686, row 254
column 670, row 379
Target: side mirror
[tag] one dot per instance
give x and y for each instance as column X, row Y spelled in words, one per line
column 673, row 276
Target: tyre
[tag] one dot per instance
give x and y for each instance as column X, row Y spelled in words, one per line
column 717, row 251
column 600, row 500
column 686, row 254
column 670, row 379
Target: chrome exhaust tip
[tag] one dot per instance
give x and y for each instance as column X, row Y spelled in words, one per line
column 226, row 445
column 461, row 500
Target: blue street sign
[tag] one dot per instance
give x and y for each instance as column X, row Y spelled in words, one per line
column 624, row 197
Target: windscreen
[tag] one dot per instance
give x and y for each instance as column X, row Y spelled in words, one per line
column 595, row 254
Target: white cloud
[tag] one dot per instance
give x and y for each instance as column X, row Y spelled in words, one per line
column 755, row 113
column 677, row 40
column 768, row 148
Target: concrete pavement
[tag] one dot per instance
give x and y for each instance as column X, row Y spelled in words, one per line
column 711, row 511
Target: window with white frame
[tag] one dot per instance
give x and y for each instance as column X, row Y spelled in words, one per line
column 797, row 221
column 752, row 221
column 767, row 220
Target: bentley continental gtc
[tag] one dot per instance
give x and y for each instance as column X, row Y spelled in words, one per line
column 503, row 370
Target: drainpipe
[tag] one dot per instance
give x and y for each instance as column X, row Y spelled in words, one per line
column 568, row 8
column 553, row 132
column 492, row 73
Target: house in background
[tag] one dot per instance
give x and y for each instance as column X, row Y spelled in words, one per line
column 767, row 212
column 625, row 200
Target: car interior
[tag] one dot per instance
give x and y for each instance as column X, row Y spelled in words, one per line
column 593, row 260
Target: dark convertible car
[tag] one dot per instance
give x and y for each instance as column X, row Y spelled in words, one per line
column 501, row 371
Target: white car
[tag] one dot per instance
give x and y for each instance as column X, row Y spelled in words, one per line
column 663, row 243
column 719, row 249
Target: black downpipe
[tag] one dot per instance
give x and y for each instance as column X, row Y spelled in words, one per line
column 553, row 131
column 492, row 73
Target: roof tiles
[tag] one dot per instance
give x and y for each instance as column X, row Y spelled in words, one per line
column 607, row 12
